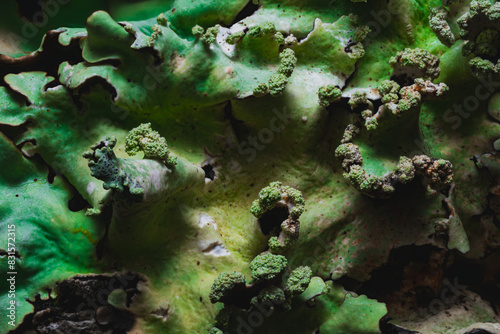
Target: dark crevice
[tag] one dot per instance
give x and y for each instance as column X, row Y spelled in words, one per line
column 387, row 328
column 480, row 276
column 47, row 60
column 350, row 77
column 238, row 126
column 241, row 296
column 270, row 222
column 209, row 171
column 77, row 203
column 247, row 11
column 101, row 247
column 395, row 277
column 82, row 301
column 51, row 175
column 17, row 97
column 158, row 60
column 14, row 133
column 16, row 254
column 28, row 8
column 87, row 86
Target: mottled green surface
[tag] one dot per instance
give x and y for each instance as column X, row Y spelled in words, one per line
column 206, row 99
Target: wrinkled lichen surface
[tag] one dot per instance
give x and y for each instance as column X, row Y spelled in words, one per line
column 239, row 166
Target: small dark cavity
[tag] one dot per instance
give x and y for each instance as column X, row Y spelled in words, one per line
column 270, row 222
column 77, row 203
column 209, row 171
column 29, row 9
column 47, row 60
column 247, row 11
column 238, row 126
column 51, row 175
column 388, row 328
column 90, row 83
column 14, row 133
column 101, row 247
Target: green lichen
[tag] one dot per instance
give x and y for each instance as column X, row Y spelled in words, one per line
column 261, row 90
column 235, row 37
column 225, row 284
column 439, row 25
column 267, row 267
column 273, row 296
column 328, row 94
column 288, row 62
column 356, row 51
column 279, row 38
column 144, row 139
column 416, row 63
column 207, row 37
column 389, row 90
column 298, row 281
column 277, row 84
column 162, row 19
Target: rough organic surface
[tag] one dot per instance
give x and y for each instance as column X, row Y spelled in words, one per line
column 245, row 166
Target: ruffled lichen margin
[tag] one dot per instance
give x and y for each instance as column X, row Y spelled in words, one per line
column 389, row 134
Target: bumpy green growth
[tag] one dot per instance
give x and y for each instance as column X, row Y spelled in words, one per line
column 358, row 98
column 267, row 28
column 156, row 33
column 481, row 68
column 226, row 283
column 298, row 281
column 288, row 62
column 267, row 267
column 272, row 295
column 105, row 166
column 361, row 32
column 409, row 99
column 349, row 133
column 349, row 154
column 208, row 37
column 261, row 90
column 215, row 330
column 356, row 51
column 388, row 90
column 211, row 35
column 279, row 81
column 416, row 63
column 405, row 170
column 198, row 31
column 162, row 19
column 235, row 37
column 277, row 84
column 328, row 94
column 479, row 28
column 279, row 38
column 274, row 193
column 439, row 25
column 371, row 123
column 439, row 171
column 144, row 138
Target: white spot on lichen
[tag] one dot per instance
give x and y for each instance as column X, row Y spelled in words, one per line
column 206, row 220
column 216, row 249
column 90, row 188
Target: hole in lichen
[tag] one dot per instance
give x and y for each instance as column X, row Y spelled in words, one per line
column 247, row 11
column 270, row 222
column 31, row 10
column 77, row 203
column 209, row 171
column 14, row 133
